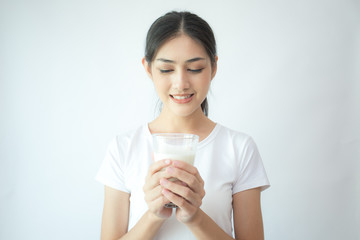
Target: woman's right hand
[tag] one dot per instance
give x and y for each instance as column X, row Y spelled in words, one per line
column 153, row 190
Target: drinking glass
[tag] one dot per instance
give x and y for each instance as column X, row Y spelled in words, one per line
column 175, row 146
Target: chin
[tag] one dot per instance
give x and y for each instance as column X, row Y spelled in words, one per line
column 185, row 112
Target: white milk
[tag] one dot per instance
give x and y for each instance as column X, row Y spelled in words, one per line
column 187, row 157
column 181, row 151
column 174, row 152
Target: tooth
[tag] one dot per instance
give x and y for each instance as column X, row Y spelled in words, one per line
column 181, row 97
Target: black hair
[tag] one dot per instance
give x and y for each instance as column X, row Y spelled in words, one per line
column 171, row 25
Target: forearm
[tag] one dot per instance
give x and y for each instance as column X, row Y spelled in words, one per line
column 146, row 228
column 204, row 228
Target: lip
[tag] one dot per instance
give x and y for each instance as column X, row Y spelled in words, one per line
column 182, row 100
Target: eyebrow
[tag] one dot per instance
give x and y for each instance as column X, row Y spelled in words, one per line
column 187, row 61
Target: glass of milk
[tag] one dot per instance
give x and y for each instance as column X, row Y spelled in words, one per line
column 175, row 146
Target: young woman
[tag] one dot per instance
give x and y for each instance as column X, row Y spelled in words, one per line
column 228, row 175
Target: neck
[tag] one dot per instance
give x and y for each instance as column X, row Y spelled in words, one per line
column 196, row 123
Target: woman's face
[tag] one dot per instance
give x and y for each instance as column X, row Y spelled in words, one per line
column 181, row 72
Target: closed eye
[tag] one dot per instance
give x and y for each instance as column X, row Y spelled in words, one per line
column 195, row 70
column 165, row 70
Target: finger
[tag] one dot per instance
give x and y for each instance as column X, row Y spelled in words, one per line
column 189, row 168
column 158, row 165
column 151, row 182
column 182, row 191
column 178, row 200
column 186, row 177
column 153, row 194
column 158, row 206
column 159, row 202
column 177, row 181
column 152, row 179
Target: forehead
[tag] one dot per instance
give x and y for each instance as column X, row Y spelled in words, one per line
column 181, row 48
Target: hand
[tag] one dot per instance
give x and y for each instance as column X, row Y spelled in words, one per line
column 153, row 190
column 189, row 194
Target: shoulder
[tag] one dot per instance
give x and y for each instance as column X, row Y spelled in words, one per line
column 132, row 134
column 129, row 137
column 234, row 136
column 239, row 142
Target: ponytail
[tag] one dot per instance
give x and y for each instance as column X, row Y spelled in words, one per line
column 205, row 107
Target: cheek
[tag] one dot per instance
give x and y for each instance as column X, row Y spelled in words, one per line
column 161, row 86
column 204, row 82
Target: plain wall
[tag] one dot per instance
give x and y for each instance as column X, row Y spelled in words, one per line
column 71, row 79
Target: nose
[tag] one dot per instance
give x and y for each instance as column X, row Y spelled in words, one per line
column 181, row 80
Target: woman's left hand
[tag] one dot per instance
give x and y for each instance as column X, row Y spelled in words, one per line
column 187, row 192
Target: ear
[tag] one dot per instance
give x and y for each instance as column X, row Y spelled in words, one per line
column 214, row 68
column 147, row 67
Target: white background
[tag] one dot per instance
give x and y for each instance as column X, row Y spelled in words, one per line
column 71, row 78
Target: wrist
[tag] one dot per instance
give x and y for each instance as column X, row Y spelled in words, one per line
column 154, row 218
column 196, row 220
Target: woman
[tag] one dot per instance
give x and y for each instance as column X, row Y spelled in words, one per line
column 228, row 174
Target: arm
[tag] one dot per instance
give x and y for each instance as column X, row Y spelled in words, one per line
column 115, row 214
column 188, row 197
column 246, row 205
column 247, row 219
column 203, row 227
column 248, row 222
column 116, row 210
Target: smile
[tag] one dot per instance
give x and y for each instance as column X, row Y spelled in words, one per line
column 182, row 98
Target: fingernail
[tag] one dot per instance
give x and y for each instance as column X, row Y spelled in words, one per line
column 167, row 161
column 162, row 181
column 177, row 164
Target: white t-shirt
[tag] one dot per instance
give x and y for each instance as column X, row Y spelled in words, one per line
column 228, row 162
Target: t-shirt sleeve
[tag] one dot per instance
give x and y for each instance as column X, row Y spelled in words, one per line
column 251, row 171
column 111, row 172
